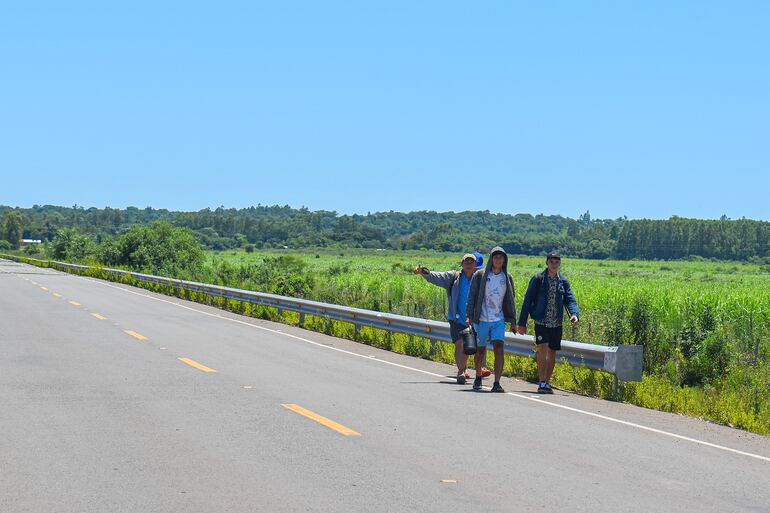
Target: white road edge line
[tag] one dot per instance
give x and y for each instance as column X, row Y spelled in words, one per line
column 539, row 401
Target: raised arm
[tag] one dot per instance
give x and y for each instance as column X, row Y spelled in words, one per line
column 440, row 279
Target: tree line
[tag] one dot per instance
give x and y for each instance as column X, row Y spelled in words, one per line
column 259, row 227
column 678, row 238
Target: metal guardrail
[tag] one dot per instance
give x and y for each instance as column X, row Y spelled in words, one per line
column 625, row 361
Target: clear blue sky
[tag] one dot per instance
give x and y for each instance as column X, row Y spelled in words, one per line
column 644, row 109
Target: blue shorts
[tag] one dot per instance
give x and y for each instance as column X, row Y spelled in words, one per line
column 489, row 331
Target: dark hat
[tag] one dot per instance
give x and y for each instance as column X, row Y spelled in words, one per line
column 553, row 254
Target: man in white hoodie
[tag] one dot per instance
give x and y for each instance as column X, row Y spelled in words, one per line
column 492, row 303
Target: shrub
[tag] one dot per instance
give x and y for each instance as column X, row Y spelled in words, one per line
column 339, row 269
column 32, row 249
column 158, row 249
column 69, row 244
column 710, row 361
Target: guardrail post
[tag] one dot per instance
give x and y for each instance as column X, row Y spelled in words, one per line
column 302, row 319
column 625, row 363
column 280, row 312
column 614, row 387
column 356, row 330
column 433, row 348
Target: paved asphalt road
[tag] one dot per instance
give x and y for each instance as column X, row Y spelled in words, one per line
column 101, row 414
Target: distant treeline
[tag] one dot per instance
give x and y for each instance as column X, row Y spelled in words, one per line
column 678, row 238
column 282, row 226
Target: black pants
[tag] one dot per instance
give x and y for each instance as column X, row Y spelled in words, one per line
column 550, row 336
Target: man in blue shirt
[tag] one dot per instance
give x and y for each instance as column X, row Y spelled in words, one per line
column 457, row 285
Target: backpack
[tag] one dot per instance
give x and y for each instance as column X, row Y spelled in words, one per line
column 538, row 283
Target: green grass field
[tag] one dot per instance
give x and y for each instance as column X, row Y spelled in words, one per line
column 679, row 297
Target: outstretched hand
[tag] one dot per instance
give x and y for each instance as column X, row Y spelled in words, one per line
column 418, row 269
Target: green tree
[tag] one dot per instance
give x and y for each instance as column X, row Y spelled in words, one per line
column 32, row 249
column 159, row 249
column 11, row 228
column 69, row 244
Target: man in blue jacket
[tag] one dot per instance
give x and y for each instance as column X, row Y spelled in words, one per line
column 457, row 284
column 548, row 295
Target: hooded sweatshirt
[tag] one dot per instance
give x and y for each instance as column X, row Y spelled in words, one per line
column 478, row 290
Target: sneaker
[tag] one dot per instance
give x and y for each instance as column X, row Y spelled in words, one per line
column 485, row 372
column 497, row 388
column 548, row 389
column 541, row 389
column 461, row 379
column 477, row 383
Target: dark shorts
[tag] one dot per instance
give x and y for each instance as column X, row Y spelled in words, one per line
column 454, row 330
column 550, row 336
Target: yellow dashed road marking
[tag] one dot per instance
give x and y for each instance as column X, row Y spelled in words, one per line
column 100, row 317
column 193, row 363
column 56, row 294
column 73, row 303
column 135, row 335
column 339, row 428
